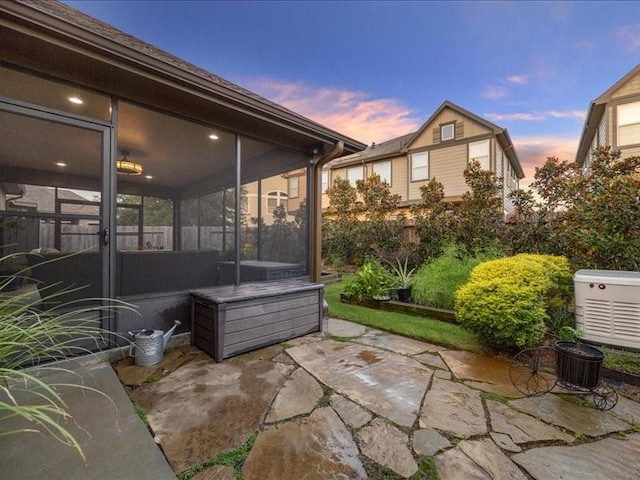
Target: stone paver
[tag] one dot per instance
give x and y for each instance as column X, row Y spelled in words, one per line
column 395, row 343
column 351, row 413
column 299, row 395
column 628, row 410
column 386, row 383
column 205, row 408
column 432, row 359
column 427, row 441
column 477, row 459
column 382, row 384
column 454, row 408
column 131, row 374
column 522, row 428
column 504, row 442
column 485, row 373
column 611, row 458
column 318, row 446
column 387, row 445
column 342, row 328
column 553, row 409
column 217, row 472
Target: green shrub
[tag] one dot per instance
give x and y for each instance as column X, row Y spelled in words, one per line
column 507, row 301
column 370, row 280
column 436, row 282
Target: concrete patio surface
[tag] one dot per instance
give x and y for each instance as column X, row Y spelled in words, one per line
column 355, row 402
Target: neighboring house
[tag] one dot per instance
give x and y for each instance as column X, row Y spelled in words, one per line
column 613, row 119
column 152, row 139
column 441, row 148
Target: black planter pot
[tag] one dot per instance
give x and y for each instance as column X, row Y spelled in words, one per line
column 404, row 294
column 578, row 364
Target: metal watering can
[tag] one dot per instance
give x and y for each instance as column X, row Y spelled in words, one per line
column 148, row 346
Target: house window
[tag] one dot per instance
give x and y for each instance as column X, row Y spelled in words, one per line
column 293, row 187
column 479, row 151
column 629, row 124
column 447, row 132
column 419, row 166
column 354, row 174
column 275, row 199
column 383, row 169
column 325, row 180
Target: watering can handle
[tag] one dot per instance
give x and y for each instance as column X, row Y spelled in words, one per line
column 132, row 343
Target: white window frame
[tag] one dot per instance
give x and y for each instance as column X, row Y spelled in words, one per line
column 447, row 127
column 294, row 187
column 385, row 174
column 354, row 174
column 628, row 118
column 325, row 181
column 280, row 199
column 477, row 152
column 419, row 166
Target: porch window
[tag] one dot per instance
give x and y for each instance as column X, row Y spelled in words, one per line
column 419, row 166
column 628, row 124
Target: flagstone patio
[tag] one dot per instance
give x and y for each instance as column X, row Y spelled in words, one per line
column 360, row 403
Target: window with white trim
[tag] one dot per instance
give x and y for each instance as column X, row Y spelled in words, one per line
column 447, row 132
column 275, row 199
column 354, row 174
column 419, row 166
column 325, row 180
column 479, row 151
column 383, row 169
column 628, row 124
column 294, row 183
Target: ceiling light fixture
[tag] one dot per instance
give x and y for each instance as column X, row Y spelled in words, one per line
column 76, row 100
column 61, row 164
column 148, row 177
column 213, row 136
column 127, row 167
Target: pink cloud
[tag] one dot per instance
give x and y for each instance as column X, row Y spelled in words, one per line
column 352, row 113
column 517, row 79
column 533, row 152
column 493, row 92
column 630, row 36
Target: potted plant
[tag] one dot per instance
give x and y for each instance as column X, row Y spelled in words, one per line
column 370, row 281
column 403, row 278
column 578, row 364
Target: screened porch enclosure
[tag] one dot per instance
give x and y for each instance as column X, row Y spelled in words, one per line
column 138, row 204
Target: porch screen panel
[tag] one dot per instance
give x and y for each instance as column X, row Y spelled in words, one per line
column 277, row 233
column 50, row 208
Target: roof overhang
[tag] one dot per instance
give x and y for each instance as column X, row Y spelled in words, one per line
column 594, row 115
column 51, row 38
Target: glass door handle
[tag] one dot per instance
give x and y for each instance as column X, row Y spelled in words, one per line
column 104, row 235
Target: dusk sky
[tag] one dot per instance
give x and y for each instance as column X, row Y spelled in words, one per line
column 377, row 70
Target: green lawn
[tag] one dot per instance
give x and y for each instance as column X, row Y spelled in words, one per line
column 420, row 328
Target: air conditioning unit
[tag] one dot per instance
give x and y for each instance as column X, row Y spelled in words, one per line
column 608, row 306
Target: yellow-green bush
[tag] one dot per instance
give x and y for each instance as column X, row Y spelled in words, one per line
column 506, row 301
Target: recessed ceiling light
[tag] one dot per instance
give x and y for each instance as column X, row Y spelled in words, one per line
column 213, row 136
column 61, row 164
column 148, row 177
column 76, row 100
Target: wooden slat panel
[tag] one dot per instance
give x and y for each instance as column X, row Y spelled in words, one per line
column 271, row 318
column 266, row 330
column 202, row 311
column 235, row 312
column 204, row 345
column 270, row 339
column 203, row 332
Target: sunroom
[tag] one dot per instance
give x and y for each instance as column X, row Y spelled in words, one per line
column 157, row 176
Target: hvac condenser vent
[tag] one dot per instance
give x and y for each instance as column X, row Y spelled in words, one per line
column 608, row 306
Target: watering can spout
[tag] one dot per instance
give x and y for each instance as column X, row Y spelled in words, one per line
column 167, row 335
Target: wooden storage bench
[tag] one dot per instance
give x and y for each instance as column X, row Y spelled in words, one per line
column 230, row 319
